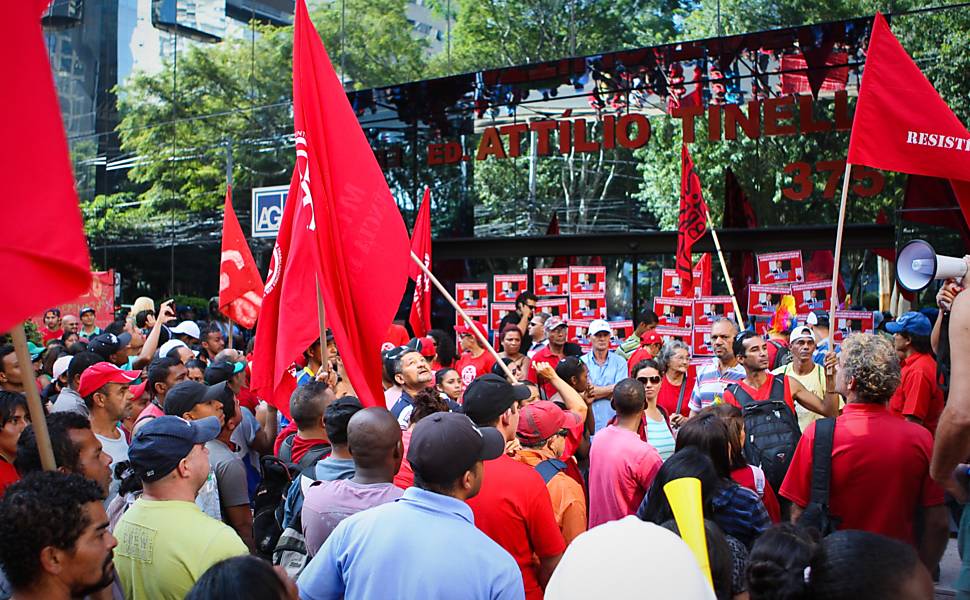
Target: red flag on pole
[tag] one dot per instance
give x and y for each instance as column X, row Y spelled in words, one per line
column 361, row 237
column 902, row 124
column 420, row 317
column 54, row 267
column 240, row 286
column 693, row 219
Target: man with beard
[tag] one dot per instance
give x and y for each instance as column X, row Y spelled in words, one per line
column 713, row 378
column 54, row 538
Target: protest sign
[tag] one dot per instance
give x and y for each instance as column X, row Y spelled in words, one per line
column 100, row 296
column 550, row 282
column 684, row 334
column 557, row 307
column 674, row 312
column 472, row 296
column 709, row 308
column 672, row 287
column 811, row 296
column 498, row 311
column 587, row 280
column 506, row 288
column 852, row 321
column 764, row 299
column 701, row 341
column 587, row 306
column 621, row 331
column 578, row 331
column 780, row 267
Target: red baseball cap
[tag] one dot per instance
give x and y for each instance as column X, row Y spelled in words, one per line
column 541, row 420
column 651, row 337
column 463, row 329
column 138, row 389
column 101, row 373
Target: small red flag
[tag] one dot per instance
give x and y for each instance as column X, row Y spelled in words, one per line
column 420, row 317
column 902, row 124
column 39, row 186
column 361, row 237
column 240, row 286
column 693, row 218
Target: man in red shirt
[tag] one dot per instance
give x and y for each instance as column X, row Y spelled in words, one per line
column 880, row 480
column 553, row 352
column 650, row 343
column 513, row 507
column 13, row 420
column 475, row 361
column 918, row 397
column 52, row 325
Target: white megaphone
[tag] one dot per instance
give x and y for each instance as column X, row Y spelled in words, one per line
column 918, row 264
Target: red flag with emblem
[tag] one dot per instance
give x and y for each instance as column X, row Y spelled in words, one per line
column 240, row 286
column 420, row 317
column 693, row 218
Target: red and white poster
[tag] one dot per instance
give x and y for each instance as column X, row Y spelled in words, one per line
column 709, row 308
column 765, row 299
column 587, row 280
column 675, row 333
column 100, row 296
column 701, row 341
column 472, row 296
column 670, row 286
column 674, row 312
column 506, row 288
column 811, row 296
column 480, row 315
column 852, row 321
column 550, row 282
column 587, row 306
column 762, row 323
column 621, row 331
column 557, row 307
column 498, row 311
column 780, row 267
column 578, row 331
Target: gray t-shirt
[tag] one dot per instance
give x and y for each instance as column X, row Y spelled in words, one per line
column 69, row 401
column 230, row 475
column 327, row 503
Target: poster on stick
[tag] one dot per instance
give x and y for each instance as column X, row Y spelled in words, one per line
column 100, row 296
column 578, row 331
column 852, row 321
column 557, row 307
column 587, row 306
column 671, row 287
column 763, row 300
column 709, row 308
column 675, row 333
column 701, row 341
column 674, row 312
column 780, row 267
column 811, row 296
column 587, row 280
column 472, row 296
column 506, row 288
column 621, row 331
column 498, row 311
column 550, row 282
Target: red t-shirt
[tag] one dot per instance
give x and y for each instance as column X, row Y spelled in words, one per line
column 515, row 510
column 918, row 394
column 47, row 335
column 880, row 471
column 302, row 446
column 282, row 435
column 9, row 475
column 669, row 393
column 638, row 355
column 405, row 475
column 745, row 478
column 545, row 354
column 761, row 394
column 469, row 367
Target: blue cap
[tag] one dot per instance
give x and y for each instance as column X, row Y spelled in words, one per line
column 913, row 323
column 163, row 442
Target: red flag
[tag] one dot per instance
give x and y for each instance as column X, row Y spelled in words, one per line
column 902, row 124
column 420, row 317
column 55, row 266
column 693, row 217
column 362, row 240
column 240, row 286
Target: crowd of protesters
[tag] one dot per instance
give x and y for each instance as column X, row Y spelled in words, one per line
column 175, row 481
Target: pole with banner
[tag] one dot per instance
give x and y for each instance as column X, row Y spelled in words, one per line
column 37, row 419
column 322, row 322
column 229, row 187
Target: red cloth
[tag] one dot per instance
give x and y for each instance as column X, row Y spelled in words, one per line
column 668, row 395
column 918, row 394
column 290, row 428
column 39, row 183
column 545, row 354
column 745, row 478
column 405, row 475
column 396, row 336
column 240, row 286
column 639, row 354
column 470, row 368
column 301, row 446
column 902, row 124
column 8, row 475
column 880, row 471
column 761, row 394
column 515, row 510
column 693, row 218
column 420, row 317
column 47, row 335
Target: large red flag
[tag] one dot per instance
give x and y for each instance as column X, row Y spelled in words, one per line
column 362, row 240
column 420, row 317
column 693, row 218
column 240, row 286
column 54, row 266
column 902, row 124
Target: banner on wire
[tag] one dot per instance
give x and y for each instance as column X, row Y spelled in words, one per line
column 506, row 288
column 781, row 267
column 587, row 280
column 710, row 308
column 674, row 312
column 811, row 296
column 587, row 306
column 472, row 296
column 763, row 300
column 550, row 282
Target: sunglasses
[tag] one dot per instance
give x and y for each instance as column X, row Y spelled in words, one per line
column 654, row 379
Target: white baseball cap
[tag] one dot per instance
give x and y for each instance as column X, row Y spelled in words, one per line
column 168, row 346
column 189, row 328
column 802, row 332
column 61, row 365
column 599, row 326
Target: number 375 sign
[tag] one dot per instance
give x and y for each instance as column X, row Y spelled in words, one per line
column 803, row 176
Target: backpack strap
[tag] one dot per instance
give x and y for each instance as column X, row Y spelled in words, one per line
column 286, row 448
column 680, row 396
column 822, row 460
column 759, row 480
column 549, row 468
column 312, row 456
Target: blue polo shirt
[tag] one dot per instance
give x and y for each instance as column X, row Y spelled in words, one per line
column 611, row 372
column 406, row 549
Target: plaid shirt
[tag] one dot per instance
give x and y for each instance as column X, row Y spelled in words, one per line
column 740, row 513
column 710, row 384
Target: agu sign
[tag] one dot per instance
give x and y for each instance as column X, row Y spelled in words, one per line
column 268, row 210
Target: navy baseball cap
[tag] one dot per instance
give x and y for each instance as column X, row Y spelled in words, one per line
column 489, row 396
column 106, row 344
column 163, row 442
column 912, row 322
column 183, row 396
column 222, row 370
column 445, row 445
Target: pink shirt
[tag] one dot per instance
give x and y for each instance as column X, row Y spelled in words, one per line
column 621, row 469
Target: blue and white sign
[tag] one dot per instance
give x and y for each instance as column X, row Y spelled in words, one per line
column 268, row 210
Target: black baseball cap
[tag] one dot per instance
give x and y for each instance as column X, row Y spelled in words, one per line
column 445, row 445
column 489, row 396
column 106, row 344
column 183, row 396
column 222, row 370
column 163, row 442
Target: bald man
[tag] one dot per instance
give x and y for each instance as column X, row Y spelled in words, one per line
column 374, row 440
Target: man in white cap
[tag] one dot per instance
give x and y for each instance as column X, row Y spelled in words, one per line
column 187, row 331
column 606, row 369
column 58, row 379
column 176, row 349
column 804, row 369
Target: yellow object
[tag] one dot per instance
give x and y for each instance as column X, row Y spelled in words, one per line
column 684, row 495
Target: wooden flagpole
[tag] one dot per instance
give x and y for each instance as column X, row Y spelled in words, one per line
column 468, row 320
column 230, row 332
column 322, row 321
column 37, row 419
column 834, row 303
column 720, row 258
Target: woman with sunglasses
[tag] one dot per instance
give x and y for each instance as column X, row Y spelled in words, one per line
column 657, row 429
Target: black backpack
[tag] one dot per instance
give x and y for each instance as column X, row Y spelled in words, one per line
column 782, row 356
column 771, row 430
column 816, row 514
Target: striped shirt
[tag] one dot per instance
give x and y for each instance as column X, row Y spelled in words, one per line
column 740, row 513
column 659, row 436
column 711, row 382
